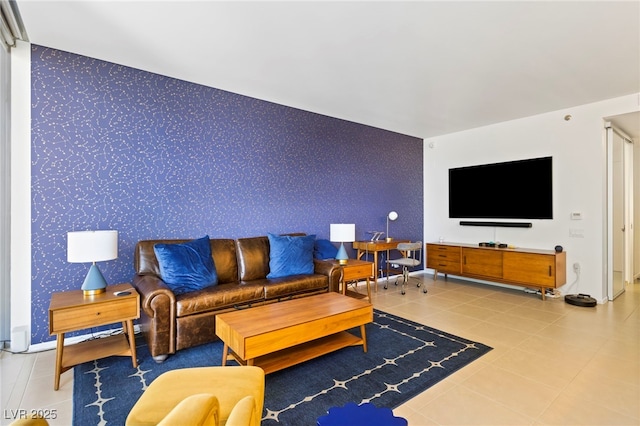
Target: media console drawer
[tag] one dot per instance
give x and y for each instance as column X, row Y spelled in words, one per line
column 522, row 267
column 443, row 258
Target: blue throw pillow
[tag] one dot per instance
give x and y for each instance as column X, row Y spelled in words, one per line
column 289, row 255
column 188, row 266
column 324, row 249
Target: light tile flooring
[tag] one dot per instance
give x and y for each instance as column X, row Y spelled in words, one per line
column 552, row 363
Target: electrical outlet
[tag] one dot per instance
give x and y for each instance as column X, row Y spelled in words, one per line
column 576, row 268
column 576, row 233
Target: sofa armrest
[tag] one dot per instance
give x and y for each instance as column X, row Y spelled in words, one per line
column 331, row 270
column 157, row 314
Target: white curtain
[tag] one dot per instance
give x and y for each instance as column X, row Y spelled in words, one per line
column 5, row 195
column 11, row 26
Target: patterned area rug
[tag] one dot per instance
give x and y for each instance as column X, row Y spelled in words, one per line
column 404, row 358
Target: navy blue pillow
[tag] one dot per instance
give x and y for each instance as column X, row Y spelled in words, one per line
column 289, row 255
column 324, row 249
column 188, row 266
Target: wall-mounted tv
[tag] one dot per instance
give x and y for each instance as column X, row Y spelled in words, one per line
column 511, row 190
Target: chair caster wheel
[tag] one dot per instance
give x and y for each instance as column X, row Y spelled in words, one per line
column 385, row 286
column 403, row 293
column 425, row 290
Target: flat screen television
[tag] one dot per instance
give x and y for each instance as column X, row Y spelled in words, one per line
column 511, row 190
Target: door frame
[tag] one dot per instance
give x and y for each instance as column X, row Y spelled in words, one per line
column 628, row 237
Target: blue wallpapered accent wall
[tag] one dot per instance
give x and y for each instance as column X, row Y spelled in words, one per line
column 156, row 157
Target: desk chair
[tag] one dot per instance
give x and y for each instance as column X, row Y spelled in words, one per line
column 411, row 257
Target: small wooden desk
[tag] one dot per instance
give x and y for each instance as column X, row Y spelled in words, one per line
column 376, row 247
column 72, row 311
column 356, row 270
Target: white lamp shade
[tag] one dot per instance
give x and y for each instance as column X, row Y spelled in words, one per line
column 92, row 246
column 342, row 232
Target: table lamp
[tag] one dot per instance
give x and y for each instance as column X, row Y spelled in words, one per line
column 391, row 216
column 342, row 233
column 92, row 246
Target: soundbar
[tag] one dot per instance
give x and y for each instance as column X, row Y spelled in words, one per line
column 501, row 224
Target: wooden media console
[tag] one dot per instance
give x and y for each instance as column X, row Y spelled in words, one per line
column 515, row 266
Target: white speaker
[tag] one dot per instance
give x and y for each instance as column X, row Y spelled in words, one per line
column 19, row 340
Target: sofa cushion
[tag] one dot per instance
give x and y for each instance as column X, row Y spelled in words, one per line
column 253, row 258
column 188, row 266
column 280, row 288
column 219, row 297
column 290, row 255
column 324, row 249
column 223, row 251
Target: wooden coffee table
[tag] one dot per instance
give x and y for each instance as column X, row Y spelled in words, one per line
column 279, row 335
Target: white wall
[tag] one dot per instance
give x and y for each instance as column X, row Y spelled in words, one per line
column 579, row 170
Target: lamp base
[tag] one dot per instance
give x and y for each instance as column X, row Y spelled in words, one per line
column 342, row 255
column 94, row 283
column 90, row 293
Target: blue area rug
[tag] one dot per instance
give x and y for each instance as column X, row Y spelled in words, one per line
column 404, row 358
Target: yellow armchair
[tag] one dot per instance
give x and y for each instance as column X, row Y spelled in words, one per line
column 244, row 413
column 238, row 393
column 201, row 409
column 33, row 421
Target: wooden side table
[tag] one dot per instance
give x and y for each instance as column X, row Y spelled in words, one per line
column 356, row 269
column 72, row 311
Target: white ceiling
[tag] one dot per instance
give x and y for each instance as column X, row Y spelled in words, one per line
column 422, row 68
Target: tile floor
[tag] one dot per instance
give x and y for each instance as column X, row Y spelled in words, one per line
column 552, row 363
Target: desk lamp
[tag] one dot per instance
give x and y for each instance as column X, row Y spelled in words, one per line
column 92, row 246
column 342, row 233
column 391, row 216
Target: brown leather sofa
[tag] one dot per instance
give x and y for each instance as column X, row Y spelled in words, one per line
column 172, row 322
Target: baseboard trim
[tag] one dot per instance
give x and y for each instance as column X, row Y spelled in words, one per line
column 50, row 345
